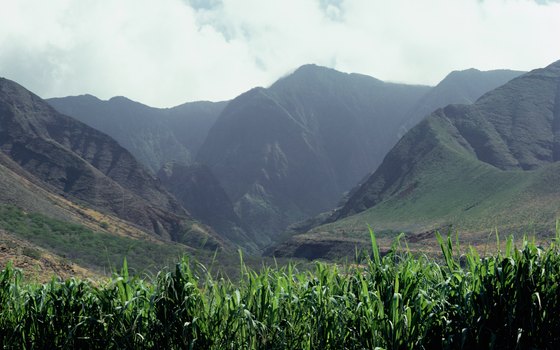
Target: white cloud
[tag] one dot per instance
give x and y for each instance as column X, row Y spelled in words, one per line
column 170, row 51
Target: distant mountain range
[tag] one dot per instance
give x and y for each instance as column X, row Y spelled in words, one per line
column 490, row 165
column 239, row 173
column 155, row 136
column 291, row 151
column 285, row 153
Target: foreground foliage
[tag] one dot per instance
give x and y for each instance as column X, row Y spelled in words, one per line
column 398, row 301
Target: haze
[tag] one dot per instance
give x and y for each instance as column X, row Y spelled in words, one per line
column 168, row 52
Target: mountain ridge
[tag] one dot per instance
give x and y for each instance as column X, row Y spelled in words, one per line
column 291, row 151
column 84, row 165
column 460, row 164
column 154, row 136
column 493, row 149
column 273, row 149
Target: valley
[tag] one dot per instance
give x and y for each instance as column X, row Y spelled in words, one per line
column 300, row 169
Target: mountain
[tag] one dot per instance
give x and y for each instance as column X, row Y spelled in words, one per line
column 290, row 151
column 47, row 157
column 458, row 87
column 159, row 137
column 154, row 136
column 490, row 165
column 201, row 194
column 282, row 154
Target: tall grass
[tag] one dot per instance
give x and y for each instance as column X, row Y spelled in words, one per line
column 396, row 301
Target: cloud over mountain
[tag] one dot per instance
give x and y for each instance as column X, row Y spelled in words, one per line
column 163, row 53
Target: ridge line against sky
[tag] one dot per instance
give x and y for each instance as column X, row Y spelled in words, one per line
column 164, row 53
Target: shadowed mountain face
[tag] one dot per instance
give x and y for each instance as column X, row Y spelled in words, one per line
column 290, row 151
column 201, row 194
column 69, row 158
column 154, row 136
column 500, row 153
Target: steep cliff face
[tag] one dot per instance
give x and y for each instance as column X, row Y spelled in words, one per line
column 84, row 164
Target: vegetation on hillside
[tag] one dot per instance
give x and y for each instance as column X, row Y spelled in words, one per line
column 398, row 301
column 95, row 250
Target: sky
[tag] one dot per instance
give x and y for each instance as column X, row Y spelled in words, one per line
column 167, row 52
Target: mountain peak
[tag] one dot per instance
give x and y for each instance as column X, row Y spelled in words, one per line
column 119, row 98
column 460, row 72
column 309, row 72
column 473, row 73
column 312, row 76
column 89, row 97
column 312, row 67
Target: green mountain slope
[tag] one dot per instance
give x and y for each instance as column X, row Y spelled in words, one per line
column 493, row 164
